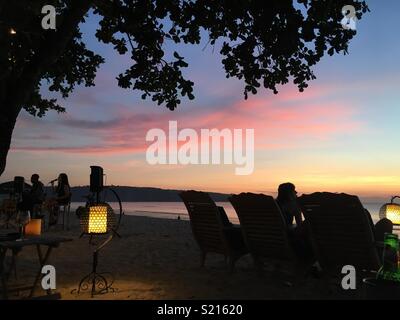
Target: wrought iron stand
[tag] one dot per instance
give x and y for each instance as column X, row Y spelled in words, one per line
column 95, row 281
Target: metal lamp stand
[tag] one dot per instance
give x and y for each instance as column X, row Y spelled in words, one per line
column 96, row 282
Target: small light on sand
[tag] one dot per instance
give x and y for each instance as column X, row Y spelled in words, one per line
column 391, row 211
column 12, row 31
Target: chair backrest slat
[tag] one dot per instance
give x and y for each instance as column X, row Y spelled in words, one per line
column 263, row 225
column 340, row 230
column 204, row 220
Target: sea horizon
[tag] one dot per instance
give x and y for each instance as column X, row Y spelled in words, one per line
column 173, row 210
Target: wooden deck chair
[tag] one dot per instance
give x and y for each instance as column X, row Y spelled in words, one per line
column 265, row 231
column 209, row 230
column 340, row 231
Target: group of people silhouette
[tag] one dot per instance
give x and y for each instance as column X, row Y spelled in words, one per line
column 35, row 197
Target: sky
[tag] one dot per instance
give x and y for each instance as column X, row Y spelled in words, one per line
column 340, row 135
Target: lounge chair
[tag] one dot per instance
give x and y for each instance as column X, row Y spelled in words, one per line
column 209, row 229
column 340, row 231
column 265, row 231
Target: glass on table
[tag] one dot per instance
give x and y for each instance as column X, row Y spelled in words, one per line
column 23, row 218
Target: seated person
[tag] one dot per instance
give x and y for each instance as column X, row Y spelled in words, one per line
column 63, row 197
column 383, row 226
column 287, row 202
column 298, row 235
column 34, row 197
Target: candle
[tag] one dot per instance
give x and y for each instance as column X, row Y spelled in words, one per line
column 34, row 227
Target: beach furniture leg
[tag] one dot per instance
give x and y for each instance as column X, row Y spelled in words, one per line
column 63, row 217
column 3, row 273
column 42, row 260
column 13, row 266
column 68, row 214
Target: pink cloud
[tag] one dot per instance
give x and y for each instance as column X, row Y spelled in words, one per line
column 280, row 121
column 85, row 149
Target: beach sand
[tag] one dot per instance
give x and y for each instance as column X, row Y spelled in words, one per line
column 159, row 259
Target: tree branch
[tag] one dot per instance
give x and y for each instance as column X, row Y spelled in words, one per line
column 52, row 47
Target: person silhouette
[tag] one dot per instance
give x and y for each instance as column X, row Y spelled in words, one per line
column 63, row 197
column 287, row 201
column 298, row 235
column 35, row 196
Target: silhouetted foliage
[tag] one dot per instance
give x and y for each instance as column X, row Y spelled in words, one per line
column 265, row 43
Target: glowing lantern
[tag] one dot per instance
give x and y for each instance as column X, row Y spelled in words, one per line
column 98, row 219
column 391, row 211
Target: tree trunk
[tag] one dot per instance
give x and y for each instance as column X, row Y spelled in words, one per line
column 7, row 124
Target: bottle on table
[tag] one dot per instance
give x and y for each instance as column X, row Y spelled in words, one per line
column 390, row 270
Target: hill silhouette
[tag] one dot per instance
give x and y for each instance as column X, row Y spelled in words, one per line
column 139, row 194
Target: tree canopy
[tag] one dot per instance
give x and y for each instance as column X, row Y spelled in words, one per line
column 263, row 43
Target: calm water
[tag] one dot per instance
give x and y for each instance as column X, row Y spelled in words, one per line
column 171, row 210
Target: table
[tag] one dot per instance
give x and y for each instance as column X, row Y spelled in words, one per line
column 15, row 246
column 380, row 290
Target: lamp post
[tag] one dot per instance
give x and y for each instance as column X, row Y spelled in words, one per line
column 98, row 219
column 391, row 211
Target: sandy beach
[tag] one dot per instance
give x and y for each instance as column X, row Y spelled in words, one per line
column 159, row 259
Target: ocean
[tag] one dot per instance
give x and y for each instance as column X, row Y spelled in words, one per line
column 173, row 210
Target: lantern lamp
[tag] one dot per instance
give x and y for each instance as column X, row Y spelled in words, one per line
column 391, row 211
column 98, row 219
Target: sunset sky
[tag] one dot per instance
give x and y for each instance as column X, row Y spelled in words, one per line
column 341, row 134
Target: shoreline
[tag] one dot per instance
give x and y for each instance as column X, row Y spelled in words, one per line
column 171, row 210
